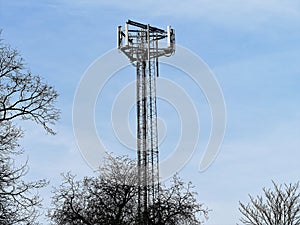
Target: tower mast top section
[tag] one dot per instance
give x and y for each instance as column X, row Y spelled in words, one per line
column 141, row 42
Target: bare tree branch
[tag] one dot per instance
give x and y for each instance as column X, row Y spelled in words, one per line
column 280, row 205
column 23, row 95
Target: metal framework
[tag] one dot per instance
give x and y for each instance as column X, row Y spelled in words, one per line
column 142, row 44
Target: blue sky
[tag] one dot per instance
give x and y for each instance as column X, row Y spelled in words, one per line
column 251, row 46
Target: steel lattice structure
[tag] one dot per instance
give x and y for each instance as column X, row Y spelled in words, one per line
column 142, row 44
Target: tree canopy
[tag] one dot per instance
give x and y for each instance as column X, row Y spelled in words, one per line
column 111, row 198
column 23, row 96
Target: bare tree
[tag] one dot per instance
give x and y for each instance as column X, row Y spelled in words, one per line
column 19, row 200
column 111, row 199
column 23, row 96
column 177, row 205
column 278, row 206
column 107, row 199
